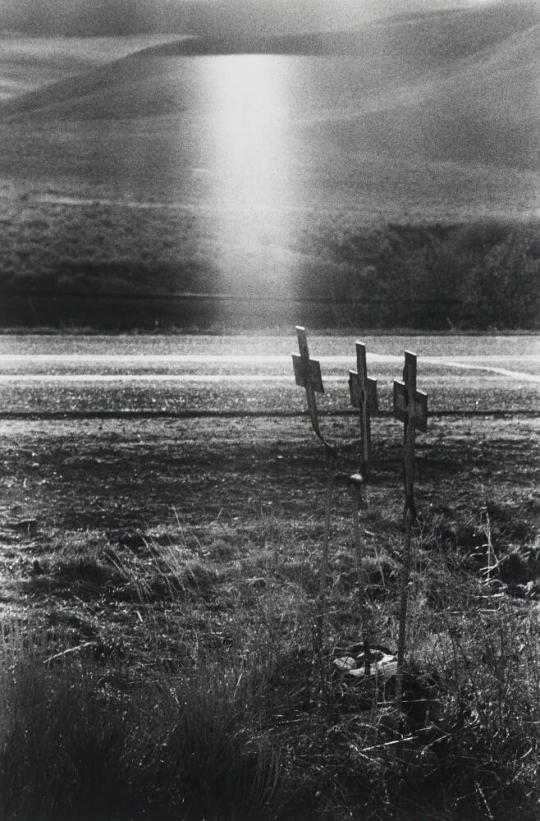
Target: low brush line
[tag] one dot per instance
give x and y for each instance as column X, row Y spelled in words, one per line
column 246, row 414
column 210, row 297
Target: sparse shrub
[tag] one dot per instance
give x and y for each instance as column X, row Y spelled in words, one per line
column 484, row 274
column 476, row 275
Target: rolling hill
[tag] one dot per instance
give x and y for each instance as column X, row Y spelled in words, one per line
column 218, row 163
column 389, row 53
column 459, row 85
column 219, row 18
column 29, row 63
column 455, row 85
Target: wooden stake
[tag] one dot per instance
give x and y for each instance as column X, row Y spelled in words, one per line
column 307, row 373
column 355, row 489
column 363, row 391
column 323, row 573
column 410, row 407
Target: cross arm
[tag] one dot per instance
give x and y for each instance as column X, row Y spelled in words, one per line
column 307, row 372
column 359, row 393
column 362, row 387
column 410, row 407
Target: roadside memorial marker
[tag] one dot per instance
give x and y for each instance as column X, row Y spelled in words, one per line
column 355, row 485
column 410, row 407
column 363, row 391
column 307, row 373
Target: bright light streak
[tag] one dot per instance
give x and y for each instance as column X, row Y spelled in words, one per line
column 251, row 164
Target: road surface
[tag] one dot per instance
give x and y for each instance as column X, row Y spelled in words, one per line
column 74, row 374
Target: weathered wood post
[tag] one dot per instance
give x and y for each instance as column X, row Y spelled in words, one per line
column 410, row 407
column 307, row 374
column 363, row 391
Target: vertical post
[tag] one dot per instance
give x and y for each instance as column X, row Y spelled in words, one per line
column 308, row 376
column 307, row 373
column 323, row 576
column 363, row 391
column 366, row 416
column 355, row 487
column 410, row 407
column 310, row 392
column 403, row 606
column 409, row 378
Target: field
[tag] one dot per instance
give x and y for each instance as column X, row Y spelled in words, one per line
column 187, row 591
column 179, row 555
column 399, row 160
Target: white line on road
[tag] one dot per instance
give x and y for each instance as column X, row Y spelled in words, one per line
column 525, row 377
column 212, row 378
column 460, row 362
column 143, row 359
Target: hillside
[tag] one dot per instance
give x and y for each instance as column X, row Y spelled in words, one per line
column 218, row 18
column 264, row 165
column 29, row 63
column 481, row 108
column 455, row 86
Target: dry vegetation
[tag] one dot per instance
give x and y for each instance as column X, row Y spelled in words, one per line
column 160, row 581
column 477, row 275
column 194, row 686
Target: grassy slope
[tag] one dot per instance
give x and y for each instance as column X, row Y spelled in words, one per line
column 480, row 108
column 435, row 122
column 28, row 63
column 448, row 87
column 445, row 87
column 391, row 52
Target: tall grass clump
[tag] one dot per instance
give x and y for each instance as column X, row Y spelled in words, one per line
column 483, row 744
column 190, row 746
column 63, row 735
column 215, row 759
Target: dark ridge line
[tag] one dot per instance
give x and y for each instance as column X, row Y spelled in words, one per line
column 209, row 297
column 245, row 414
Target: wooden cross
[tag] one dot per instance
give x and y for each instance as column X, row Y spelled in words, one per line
column 307, row 373
column 363, row 396
column 410, row 407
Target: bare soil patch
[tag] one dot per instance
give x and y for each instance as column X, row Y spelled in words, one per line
column 89, row 509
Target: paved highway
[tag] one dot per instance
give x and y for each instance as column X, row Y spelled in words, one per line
column 239, row 373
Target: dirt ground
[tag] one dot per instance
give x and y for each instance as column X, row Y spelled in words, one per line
column 105, row 524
